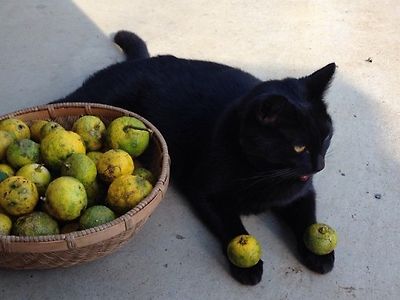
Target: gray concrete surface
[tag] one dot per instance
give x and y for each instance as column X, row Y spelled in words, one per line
column 48, row 47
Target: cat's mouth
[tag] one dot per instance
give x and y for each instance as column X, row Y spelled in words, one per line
column 304, row 177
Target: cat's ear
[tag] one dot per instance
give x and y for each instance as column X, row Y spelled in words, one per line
column 318, row 82
column 270, row 109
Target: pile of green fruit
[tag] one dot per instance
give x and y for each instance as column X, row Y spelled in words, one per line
column 54, row 179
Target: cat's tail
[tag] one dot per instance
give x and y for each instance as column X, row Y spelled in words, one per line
column 132, row 45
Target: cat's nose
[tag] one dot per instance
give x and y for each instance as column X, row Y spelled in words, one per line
column 320, row 163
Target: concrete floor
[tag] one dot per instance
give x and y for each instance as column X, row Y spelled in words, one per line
column 48, row 47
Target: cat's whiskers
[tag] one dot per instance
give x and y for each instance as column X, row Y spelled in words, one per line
column 270, row 177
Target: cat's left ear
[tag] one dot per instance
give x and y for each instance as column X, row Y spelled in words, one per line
column 318, row 82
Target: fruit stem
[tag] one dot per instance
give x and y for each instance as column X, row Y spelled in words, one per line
column 322, row 230
column 38, row 168
column 128, row 127
column 242, row 241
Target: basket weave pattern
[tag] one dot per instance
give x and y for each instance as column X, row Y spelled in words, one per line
column 64, row 250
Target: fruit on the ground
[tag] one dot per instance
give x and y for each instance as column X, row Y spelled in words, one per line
column 5, row 224
column 81, row 167
column 5, row 140
column 146, row 174
column 95, row 216
column 35, row 224
column 244, row 251
column 114, row 163
column 320, row 238
column 23, row 152
column 65, row 198
column 95, row 156
column 18, row 195
column 50, row 127
column 38, row 174
column 92, row 131
column 17, row 128
column 128, row 134
column 58, row 145
column 35, row 128
column 5, row 171
column 125, row 192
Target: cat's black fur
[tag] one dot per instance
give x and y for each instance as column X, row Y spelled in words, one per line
column 231, row 137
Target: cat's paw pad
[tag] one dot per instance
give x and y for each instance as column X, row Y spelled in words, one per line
column 318, row 263
column 248, row 276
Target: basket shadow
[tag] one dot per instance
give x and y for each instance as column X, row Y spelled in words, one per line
column 47, row 51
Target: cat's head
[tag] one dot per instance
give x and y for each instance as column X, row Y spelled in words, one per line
column 285, row 126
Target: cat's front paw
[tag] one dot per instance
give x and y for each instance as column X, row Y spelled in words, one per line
column 248, row 276
column 318, row 263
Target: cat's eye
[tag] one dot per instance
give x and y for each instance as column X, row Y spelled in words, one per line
column 299, row 148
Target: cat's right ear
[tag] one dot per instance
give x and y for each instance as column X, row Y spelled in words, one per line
column 318, row 82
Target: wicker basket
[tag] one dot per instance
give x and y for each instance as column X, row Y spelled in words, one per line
column 64, row 250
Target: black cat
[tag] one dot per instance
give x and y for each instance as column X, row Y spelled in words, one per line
column 238, row 145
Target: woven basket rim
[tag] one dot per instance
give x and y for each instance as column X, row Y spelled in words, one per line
column 157, row 188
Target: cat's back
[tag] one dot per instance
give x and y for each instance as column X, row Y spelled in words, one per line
column 184, row 98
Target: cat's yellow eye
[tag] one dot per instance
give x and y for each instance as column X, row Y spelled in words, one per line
column 299, row 148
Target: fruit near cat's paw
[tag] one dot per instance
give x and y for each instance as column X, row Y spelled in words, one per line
column 320, row 239
column 244, row 251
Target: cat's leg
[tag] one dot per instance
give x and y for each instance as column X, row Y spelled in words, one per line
column 226, row 225
column 299, row 215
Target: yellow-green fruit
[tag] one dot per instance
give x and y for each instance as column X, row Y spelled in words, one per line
column 5, row 224
column 81, row 167
column 18, row 195
column 35, row 224
column 5, row 140
column 36, row 128
column 95, row 192
column 65, row 198
column 5, row 171
column 92, row 130
column 57, row 146
column 48, row 128
column 244, row 251
column 23, row 152
column 95, row 216
column 128, row 134
column 70, row 227
column 125, row 192
column 38, row 174
column 95, row 156
column 320, row 239
column 114, row 163
column 146, row 174
column 17, row 128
